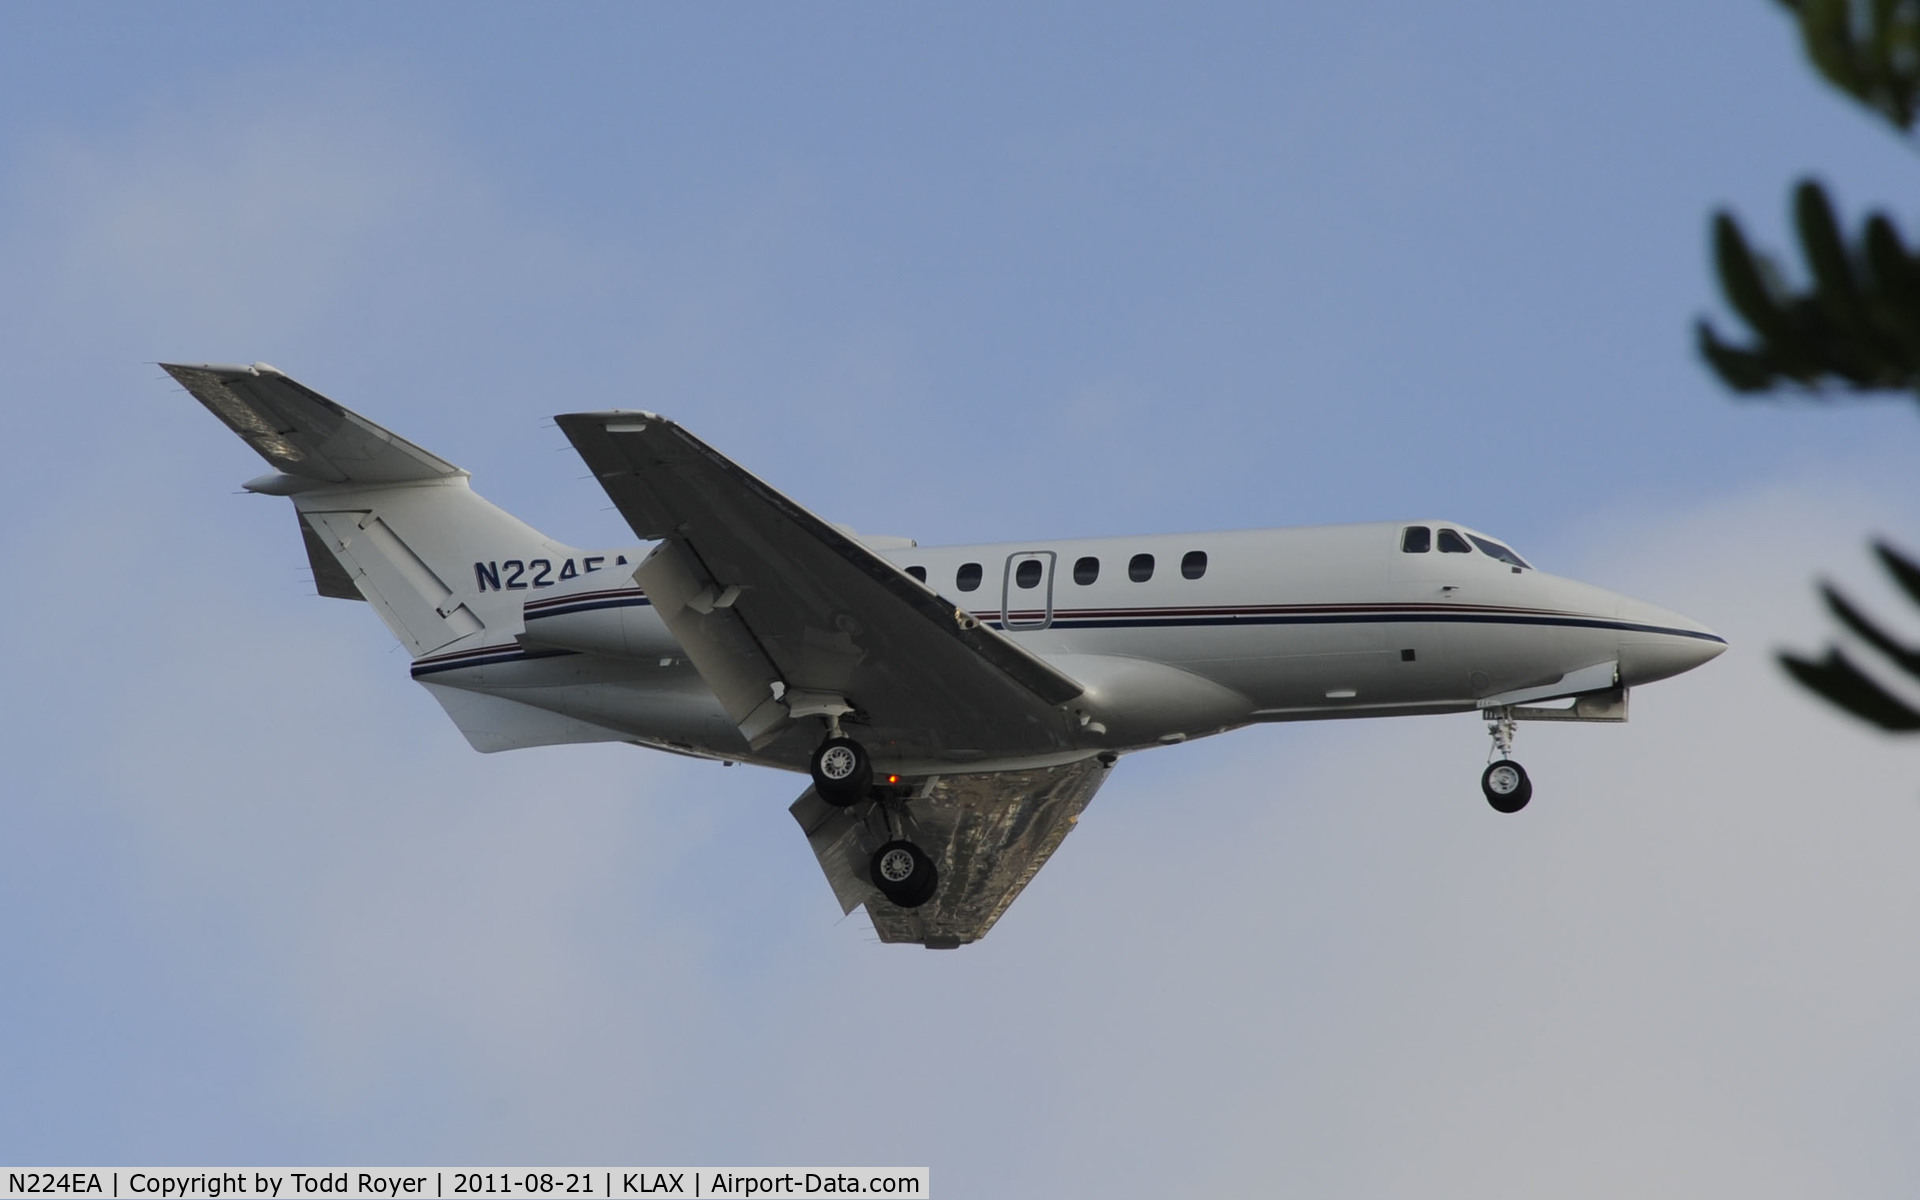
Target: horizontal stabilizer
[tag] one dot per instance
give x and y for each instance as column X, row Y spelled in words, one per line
column 301, row 432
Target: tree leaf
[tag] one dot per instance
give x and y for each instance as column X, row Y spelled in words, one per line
column 1904, row 570
column 1744, row 279
column 1741, row 370
column 1903, row 656
column 1840, row 682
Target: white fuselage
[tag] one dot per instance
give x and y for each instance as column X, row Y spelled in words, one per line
column 1222, row 630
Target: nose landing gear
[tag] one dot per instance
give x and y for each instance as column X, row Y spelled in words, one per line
column 1506, row 786
column 1504, row 783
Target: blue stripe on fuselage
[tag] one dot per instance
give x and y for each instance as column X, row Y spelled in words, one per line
column 1366, row 618
column 561, row 608
column 491, row 656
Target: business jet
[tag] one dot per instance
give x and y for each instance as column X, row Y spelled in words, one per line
column 956, row 707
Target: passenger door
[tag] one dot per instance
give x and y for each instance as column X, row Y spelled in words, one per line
column 1026, row 590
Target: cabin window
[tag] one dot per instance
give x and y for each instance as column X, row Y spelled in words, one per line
column 1086, row 570
column 919, row 573
column 1493, row 549
column 1194, row 564
column 1027, row 574
column 1453, row 543
column 1140, row 568
column 967, row 578
column 1417, row 539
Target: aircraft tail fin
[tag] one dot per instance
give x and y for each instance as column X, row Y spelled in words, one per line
column 382, row 519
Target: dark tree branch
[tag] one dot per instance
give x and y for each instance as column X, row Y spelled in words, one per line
column 1855, row 328
column 1869, row 49
column 1842, row 683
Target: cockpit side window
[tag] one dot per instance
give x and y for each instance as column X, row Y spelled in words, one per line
column 1493, row 549
column 1416, row 539
column 1453, row 543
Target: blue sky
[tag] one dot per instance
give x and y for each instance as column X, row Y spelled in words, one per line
column 955, row 273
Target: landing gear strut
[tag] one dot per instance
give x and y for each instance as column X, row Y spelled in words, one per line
column 1504, row 783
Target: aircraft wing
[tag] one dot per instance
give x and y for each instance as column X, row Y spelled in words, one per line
column 787, row 617
column 988, row 834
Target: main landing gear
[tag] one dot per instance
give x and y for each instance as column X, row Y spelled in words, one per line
column 842, row 772
column 904, row 874
column 843, row 775
column 1504, row 782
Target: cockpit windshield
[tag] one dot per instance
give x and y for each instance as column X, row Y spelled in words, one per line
column 1494, row 549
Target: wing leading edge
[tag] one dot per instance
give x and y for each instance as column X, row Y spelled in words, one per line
column 785, row 616
column 989, row 835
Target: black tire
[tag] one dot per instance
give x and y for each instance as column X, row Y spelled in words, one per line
column 1506, row 786
column 904, row 874
column 841, row 771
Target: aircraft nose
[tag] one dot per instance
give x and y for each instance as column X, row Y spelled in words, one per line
column 1657, row 643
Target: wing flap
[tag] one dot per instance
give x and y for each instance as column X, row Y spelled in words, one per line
column 989, row 834
column 716, row 640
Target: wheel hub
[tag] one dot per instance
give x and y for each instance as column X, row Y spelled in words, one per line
column 1504, row 780
column 838, row 763
column 896, row 866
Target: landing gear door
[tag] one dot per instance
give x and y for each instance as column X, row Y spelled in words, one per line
column 1026, row 591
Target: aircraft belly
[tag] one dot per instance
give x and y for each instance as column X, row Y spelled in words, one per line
column 1316, row 669
column 1468, row 661
column 666, row 704
column 1136, row 702
column 1336, row 680
column 1270, row 664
